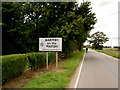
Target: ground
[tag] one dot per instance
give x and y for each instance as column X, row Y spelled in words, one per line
column 21, row 80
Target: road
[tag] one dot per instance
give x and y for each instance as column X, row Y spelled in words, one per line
column 98, row 71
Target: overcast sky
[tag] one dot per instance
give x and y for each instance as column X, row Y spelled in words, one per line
column 107, row 15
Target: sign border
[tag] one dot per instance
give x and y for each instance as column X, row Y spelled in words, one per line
column 49, row 50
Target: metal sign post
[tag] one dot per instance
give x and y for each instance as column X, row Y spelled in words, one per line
column 47, row 60
column 56, row 60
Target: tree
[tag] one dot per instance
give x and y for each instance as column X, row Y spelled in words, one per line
column 76, row 24
column 97, row 39
column 25, row 22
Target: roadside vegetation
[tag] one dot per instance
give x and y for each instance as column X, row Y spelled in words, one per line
column 57, row 79
column 13, row 65
column 23, row 23
column 115, row 52
column 97, row 40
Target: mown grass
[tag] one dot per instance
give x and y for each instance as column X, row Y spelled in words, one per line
column 57, row 79
column 110, row 51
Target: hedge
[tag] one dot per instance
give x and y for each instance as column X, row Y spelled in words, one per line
column 37, row 60
column 13, row 65
column 51, row 57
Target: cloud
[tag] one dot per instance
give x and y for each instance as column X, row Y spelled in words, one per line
column 107, row 15
column 104, row 3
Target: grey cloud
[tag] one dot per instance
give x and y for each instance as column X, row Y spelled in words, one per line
column 104, row 3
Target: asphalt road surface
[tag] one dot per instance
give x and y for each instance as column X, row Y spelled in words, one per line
column 98, row 71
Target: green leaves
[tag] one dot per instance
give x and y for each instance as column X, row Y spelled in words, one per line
column 12, row 65
column 26, row 22
column 98, row 39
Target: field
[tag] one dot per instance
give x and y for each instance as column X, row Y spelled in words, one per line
column 111, row 51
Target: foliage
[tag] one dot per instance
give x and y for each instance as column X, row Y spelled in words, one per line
column 70, row 47
column 118, row 47
column 15, row 64
column 38, row 60
column 98, row 39
column 51, row 57
column 12, row 65
column 24, row 23
column 57, row 79
column 96, row 46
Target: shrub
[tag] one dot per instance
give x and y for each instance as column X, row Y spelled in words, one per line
column 61, row 55
column 69, row 48
column 37, row 60
column 13, row 65
column 119, row 48
column 51, row 57
column 99, row 47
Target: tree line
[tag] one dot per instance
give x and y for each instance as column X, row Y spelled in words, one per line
column 23, row 23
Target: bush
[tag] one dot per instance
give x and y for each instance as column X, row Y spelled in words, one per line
column 12, row 65
column 15, row 64
column 99, row 47
column 69, row 48
column 61, row 55
column 51, row 57
column 116, row 46
column 37, row 60
column 119, row 48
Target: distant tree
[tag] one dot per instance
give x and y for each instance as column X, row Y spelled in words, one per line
column 119, row 48
column 97, row 39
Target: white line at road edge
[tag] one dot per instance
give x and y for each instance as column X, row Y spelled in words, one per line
column 107, row 55
column 79, row 72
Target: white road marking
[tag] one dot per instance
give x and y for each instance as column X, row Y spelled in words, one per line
column 106, row 55
column 79, row 72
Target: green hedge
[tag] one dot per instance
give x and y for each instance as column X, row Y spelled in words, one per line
column 37, row 60
column 12, row 65
column 51, row 57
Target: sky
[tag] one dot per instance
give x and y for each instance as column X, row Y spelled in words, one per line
column 107, row 15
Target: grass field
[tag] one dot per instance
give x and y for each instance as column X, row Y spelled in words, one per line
column 111, row 51
column 57, row 79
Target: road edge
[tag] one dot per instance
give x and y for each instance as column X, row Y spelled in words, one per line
column 79, row 73
column 75, row 75
column 106, row 55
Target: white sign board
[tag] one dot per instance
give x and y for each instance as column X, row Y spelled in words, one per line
column 50, row 44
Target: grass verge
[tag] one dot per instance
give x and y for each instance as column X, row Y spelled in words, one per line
column 114, row 54
column 57, row 79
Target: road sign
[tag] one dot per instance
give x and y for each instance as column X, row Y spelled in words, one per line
column 50, row 44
